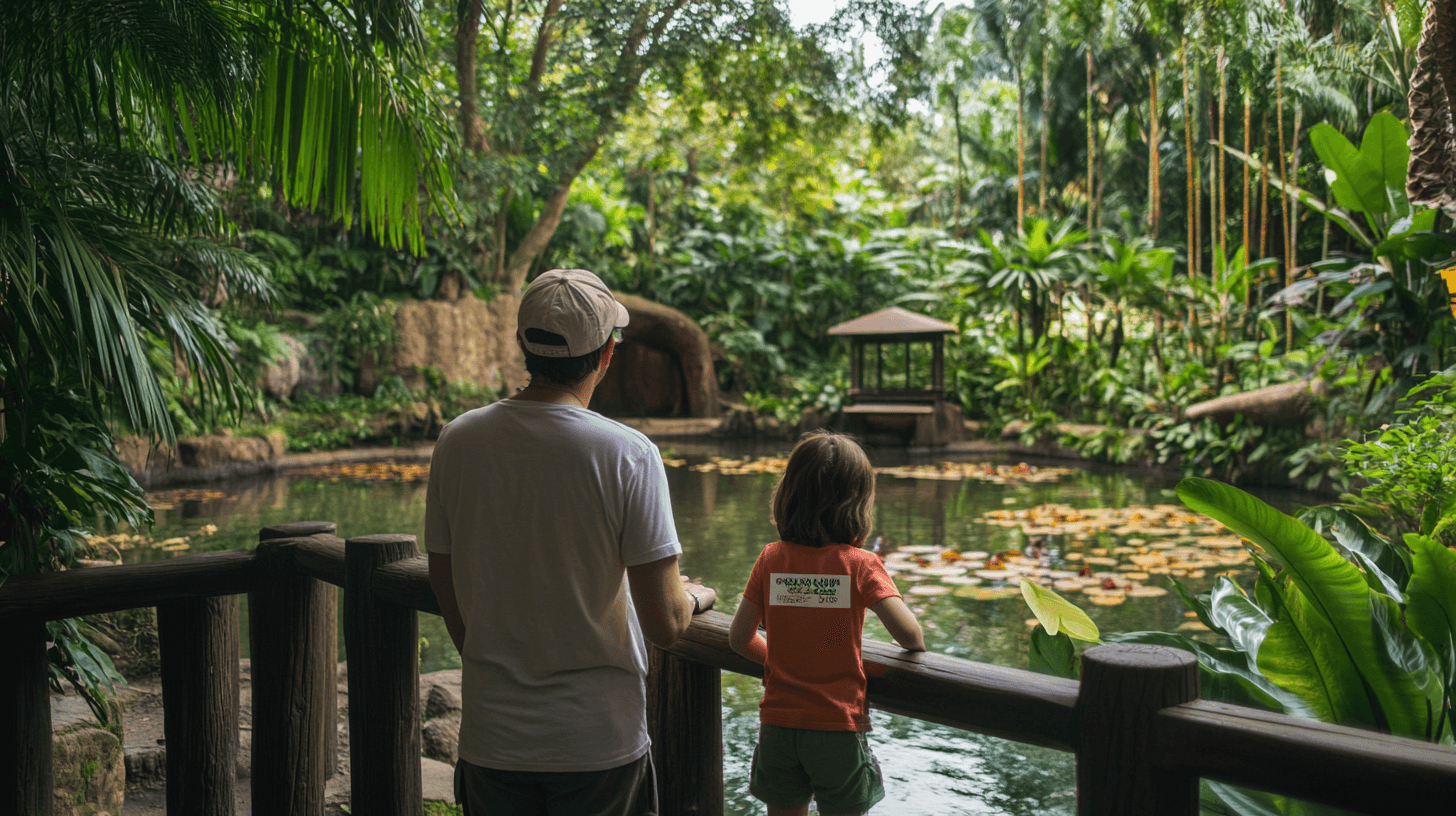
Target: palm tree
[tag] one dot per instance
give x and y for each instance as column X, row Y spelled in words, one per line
column 120, row 126
column 1011, row 24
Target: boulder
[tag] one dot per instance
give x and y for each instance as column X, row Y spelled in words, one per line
column 1282, row 405
column 441, row 701
column 440, row 738
column 282, row 375
column 89, row 772
column 663, row 367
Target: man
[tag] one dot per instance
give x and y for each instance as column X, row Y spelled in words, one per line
column 540, row 515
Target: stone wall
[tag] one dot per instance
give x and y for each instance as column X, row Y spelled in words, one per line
column 469, row 340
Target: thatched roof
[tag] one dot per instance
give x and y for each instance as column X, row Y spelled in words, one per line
column 893, row 320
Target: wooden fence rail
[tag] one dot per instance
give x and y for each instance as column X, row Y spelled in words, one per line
column 1141, row 736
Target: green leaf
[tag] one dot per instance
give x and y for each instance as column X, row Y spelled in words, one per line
column 1057, row 614
column 1053, row 654
column 1359, row 185
column 1329, row 645
column 1385, row 147
column 1431, row 603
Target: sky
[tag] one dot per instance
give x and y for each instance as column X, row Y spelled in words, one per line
column 808, row 12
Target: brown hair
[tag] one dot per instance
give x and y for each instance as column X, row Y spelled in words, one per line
column 827, row 493
column 559, row 370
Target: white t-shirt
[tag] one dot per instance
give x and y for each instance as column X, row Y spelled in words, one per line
column 541, row 507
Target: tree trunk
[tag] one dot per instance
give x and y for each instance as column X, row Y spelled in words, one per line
column 960, row 163
column 1292, row 252
column 1091, row 152
column 1245, row 224
column 1431, row 178
column 1190, row 216
column 1020, row 156
column 1222, row 154
column 1046, row 114
column 467, row 32
column 1153, row 158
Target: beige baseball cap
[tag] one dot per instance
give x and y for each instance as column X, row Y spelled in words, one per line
column 573, row 303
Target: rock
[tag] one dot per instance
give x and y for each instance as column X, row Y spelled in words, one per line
column 440, row 701
column 437, row 781
column 222, row 448
column 139, row 454
column 89, row 772
column 440, row 739
column 1282, row 405
column 295, row 375
column 280, row 376
column 468, row 340
column 663, row 367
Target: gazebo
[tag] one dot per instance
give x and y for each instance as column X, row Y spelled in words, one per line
column 897, row 375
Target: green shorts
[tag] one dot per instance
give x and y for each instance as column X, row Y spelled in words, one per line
column 835, row 768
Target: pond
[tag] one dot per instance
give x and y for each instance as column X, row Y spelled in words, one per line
column 957, row 546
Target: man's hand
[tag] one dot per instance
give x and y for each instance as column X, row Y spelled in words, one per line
column 705, row 595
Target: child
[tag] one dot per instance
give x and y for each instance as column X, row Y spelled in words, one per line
column 813, row 588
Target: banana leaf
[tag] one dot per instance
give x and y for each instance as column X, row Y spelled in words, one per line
column 1239, row 618
column 1329, row 647
column 1431, row 611
column 1371, row 549
column 1358, row 185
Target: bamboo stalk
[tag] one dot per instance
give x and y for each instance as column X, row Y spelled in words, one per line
column 1245, row 223
column 1091, row 146
column 1153, row 152
column 1046, row 111
column 1020, row 157
column 1222, row 155
column 1190, row 218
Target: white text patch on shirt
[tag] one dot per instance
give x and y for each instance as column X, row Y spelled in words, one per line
column 811, row 591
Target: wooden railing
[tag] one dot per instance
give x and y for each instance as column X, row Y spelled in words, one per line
column 1141, row 735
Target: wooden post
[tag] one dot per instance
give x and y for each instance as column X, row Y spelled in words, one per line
column 294, row 666
column 382, row 643
column 25, row 719
column 685, row 721
column 327, row 636
column 1123, row 686
column 199, row 642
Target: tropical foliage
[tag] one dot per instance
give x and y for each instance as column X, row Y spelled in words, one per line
column 122, row 128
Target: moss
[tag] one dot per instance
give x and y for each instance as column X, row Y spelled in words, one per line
column 437, row 808
column 88, row 771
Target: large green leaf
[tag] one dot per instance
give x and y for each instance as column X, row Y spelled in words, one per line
column 1359, row 185
column 1385, row 563
column 1384, row 147
column 1057, row 614
column 1296, row 655
column 1236, row 616
column 1053, row 654
column 1330, row 626
column 1431, row 605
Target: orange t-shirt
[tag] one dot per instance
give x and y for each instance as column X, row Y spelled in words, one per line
column 814, row 602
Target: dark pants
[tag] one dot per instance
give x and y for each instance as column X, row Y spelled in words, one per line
column 627, row 790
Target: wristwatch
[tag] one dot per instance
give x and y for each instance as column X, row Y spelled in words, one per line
column 697, row 605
